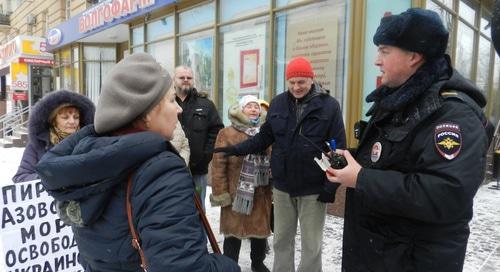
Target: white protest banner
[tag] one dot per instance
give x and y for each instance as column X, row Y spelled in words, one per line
column 32, row 237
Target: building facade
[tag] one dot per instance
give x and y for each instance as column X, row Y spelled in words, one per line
column 239, row 47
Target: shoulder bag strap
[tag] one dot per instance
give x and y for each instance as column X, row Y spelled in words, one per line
column 206, row 225
column 136, row 243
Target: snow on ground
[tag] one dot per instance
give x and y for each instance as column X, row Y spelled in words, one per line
column 483, row 254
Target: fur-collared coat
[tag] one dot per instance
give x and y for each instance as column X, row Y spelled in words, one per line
column 39, row 125
column 225, row 179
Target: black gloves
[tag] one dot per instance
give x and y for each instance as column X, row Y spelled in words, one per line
column 327, row 195
column 227, row 150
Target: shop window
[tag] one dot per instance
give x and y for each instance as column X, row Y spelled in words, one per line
column 447, row 19
column 97, row 64
column 485, row 26
column 137, row 49
column 76, row 69
column 321, row 40
column 495, row 95
column 448, row 3
column 137, row 36
column 483, row 65
column 197, row 17
column 160, row 28
column 473, row 54
column 196, row 51
column 243, row 66
column 65, row 69
column 281, row 3
column 467, row 11
column 163, row 52
column 234, row 9
column 465, row 39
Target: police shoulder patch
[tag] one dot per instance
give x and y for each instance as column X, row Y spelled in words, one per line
column 448, row 140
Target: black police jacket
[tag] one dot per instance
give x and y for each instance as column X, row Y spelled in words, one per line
column 422, row 166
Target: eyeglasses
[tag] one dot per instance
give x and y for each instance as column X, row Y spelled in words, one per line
column 185, row 78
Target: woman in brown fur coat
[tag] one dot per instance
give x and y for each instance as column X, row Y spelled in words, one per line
column 240, row 185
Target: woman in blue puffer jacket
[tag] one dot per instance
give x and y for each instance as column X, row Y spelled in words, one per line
column 88, row 175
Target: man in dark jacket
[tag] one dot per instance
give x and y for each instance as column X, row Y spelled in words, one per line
column 421, row 158
column 298, row 123
column 200, row 122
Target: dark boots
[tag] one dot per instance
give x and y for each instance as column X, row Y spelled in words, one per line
column 232, row 247
column 258, row 254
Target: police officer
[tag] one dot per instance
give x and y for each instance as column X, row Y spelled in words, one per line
column 421, row 158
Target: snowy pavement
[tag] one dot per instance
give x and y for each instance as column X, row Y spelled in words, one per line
column 483, row 253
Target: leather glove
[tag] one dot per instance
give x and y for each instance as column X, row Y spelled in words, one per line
column 326, row 197
column 227, row 150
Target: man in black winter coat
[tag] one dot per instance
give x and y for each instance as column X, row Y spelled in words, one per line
column 420, row 159
column 201, row 123
column 298, row 123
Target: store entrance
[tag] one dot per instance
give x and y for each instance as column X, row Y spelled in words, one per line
column 41, row 83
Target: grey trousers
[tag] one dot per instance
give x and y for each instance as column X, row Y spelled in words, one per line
column 288, row 211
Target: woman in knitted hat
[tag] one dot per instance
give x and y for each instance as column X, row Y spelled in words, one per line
column 240, row 185
column 52, row 119
column 126, row 158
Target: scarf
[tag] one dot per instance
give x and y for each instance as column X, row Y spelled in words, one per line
column 57, row 135
column 397, row 99
column 254, row 173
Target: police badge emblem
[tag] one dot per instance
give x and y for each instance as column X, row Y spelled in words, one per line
column 448, row 140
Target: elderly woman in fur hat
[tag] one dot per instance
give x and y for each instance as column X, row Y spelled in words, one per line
column 240, row 185
column 126, row 158
column 52, row 119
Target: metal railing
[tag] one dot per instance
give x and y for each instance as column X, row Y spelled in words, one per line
column 13, row 121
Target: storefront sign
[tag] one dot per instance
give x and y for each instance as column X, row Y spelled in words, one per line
column 108, row 11
column 32, row 237
column 317, row 41
column 8, row 51
column 98, row 18
column 20, row 96
column 36, row 61
column 19, row 73
column 24, row 46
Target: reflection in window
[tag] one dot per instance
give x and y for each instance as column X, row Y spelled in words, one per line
column 448, row 3
column 196, row 51
column 163, row 52
column 320, row 40
column 160, row 28
column 97, row 64
column 483, row 66
column 467, row 11
column 198, row 17
column 243, row 50
column 496, row 92
column 463, row 63
column 485, row 26
column 233, row 9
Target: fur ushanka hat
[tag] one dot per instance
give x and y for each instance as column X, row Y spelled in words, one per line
column 416, row 30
